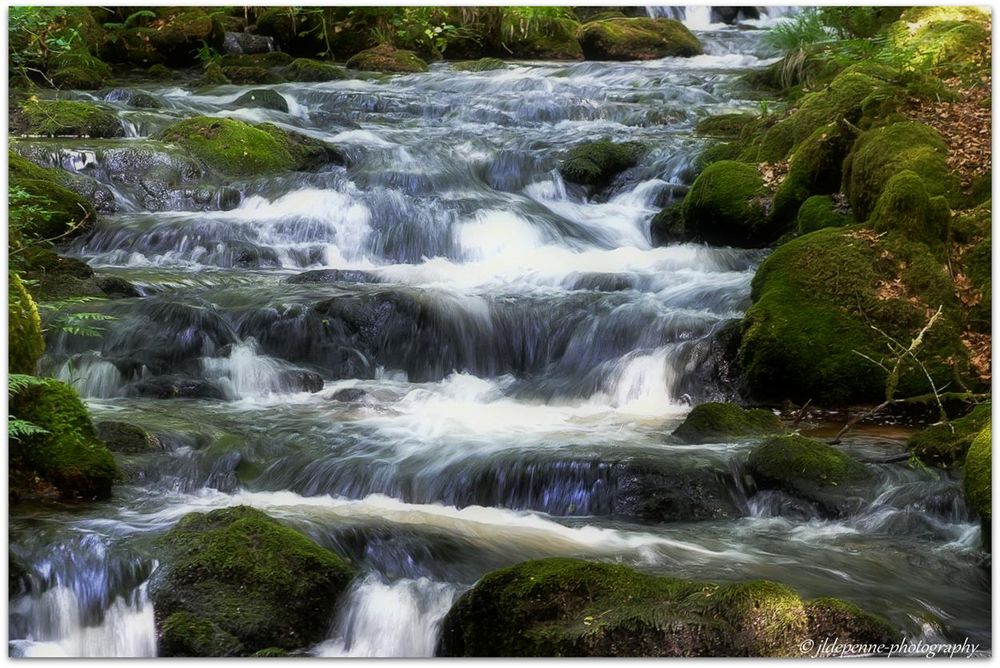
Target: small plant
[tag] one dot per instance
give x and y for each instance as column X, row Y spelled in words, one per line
column 74, row 323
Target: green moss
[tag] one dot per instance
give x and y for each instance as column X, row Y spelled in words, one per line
column 725, row 125
column 597, row 162
column 481, row 65
column 979, row 479
column 78, row 78
column 240, row 149
column 184, row 634
column 637, row 39
column 25, row 343
column 976, row 264
column 833, row 618
column 384, row 58
column 667, row 227
column 945, row 444
column 268, row 59
column 238, row 572
column 717, row 152
column 57, row 209
column 68, row 118
column 950, row 41
column 567, row 607
column 69, row 457
column 713, row 421
column 848, row 97
column 819, row 212
column 904, row 205
column 263, row 98
column 251, row 75
column 212, row 75
column 159, row 71
column 179, row 32
column 815, row 300
column 552, row 38
column 880, row 154
column 306, row 69
column 810, row 470
column 814, row 168
column 727, row 205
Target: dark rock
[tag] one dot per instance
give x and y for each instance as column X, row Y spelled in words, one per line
column 176, row 387
column 115, row 286
column 263, row 98
column 604, row 282
column 127, row 438
column 237, row 43
column 133, row 98
column 332, row 276
column 349, row 395
column 300, row 380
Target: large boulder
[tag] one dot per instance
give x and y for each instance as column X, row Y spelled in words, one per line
column 65, row 459
column 235, row 581
column 306, row 69
column 595, row 163
column 727, row 205
column 713, row 421
column 568, row 607
column 818, row 212
column 880, row 154
column 811, row 470
column 236, row 148
column 905, row 205
column 979, row 480
column 385, row 58
column 816, row 300
column 814, row 168
column 947, row 443
column 636, row 39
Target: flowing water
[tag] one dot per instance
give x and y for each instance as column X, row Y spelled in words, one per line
column 490, row 376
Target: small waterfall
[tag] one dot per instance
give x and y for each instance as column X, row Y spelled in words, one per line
column 398, row 619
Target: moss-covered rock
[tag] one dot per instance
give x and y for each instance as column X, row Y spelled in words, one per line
column 160, row 72
column 235, row 581
column 715, row 421
column 946, row 444
column 25, row 343
column 814, row 168
column 667, row 227
column 815, row 301
column 637, row 39
column 481, row 65
column 306, row 69
column 241, row 149
column 567, row 607
column 808, row 469
column 904, row 205
column 851, row 96
column 979, row 480
column 728, row 126
column 552, row 38
column 126, row 438
column 67, row 459
column 952, row 41
column 132, row 97
column 78, row 78
column 67, row 118
column 384, row 58
column 251, row 75
column 818, row 212
column 831, row 618
column 51, row 209
column 596, row 163
column 266, row 60
column 262, row 98
column 727, row 205
column 178, row 33
column 884, row 152
column 212, row 75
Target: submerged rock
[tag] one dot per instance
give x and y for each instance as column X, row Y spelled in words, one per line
column 263, row 98
column 713, row 421
column 569, row 607
column 127, row 438
column 810, row 470
column 481, row 65
column 349, row 394
column 333, row 276
column 637, row 39
column 235, row 582
column 176, row 387
column 384, row 58
column 66, row 459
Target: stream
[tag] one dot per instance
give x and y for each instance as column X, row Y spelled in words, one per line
column 516, row 357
